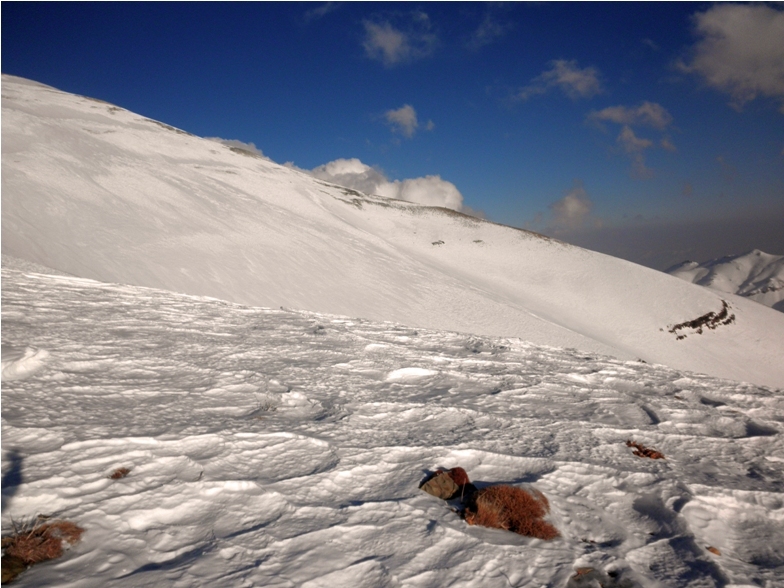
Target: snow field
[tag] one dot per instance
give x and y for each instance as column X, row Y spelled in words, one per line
column 282, row 448
column 100, row 192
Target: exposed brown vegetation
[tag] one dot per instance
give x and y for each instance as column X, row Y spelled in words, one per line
column 713, row 550
column 512, row 509
column 710, row 320
column 119, row 473
column 35, row 543
column 459, row 476
column 582, row 572
column 12, row 567
column 641, row 451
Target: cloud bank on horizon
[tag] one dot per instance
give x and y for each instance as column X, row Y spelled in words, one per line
column 583, row 122
column 428, row 190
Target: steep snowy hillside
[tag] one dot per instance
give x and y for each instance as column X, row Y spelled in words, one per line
column 282, row 448
column 756, row 275
column 99, row 192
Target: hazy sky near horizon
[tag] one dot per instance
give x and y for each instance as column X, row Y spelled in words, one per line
column 650, row 131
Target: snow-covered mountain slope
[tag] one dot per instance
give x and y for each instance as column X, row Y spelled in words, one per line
column 99, row 192
column 756, row 275
column 282, row 448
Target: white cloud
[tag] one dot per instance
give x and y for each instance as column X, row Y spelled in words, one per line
column 321, row 11
column 392, row 45
column 571, row 211
column 234, row 143
column 631, row 143
column 351, row 173
column 568, row 77
column 635, row 147
column 741, row 51
column 489, row 30
column 648, row 114
column 651, row 44
column 403, row 120
column 668, row 145
column 428, row 190
column 386, row 43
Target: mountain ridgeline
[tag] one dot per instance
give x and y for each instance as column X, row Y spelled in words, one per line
column 755, row 275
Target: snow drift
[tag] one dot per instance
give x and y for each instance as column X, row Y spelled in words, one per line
column 102, row 193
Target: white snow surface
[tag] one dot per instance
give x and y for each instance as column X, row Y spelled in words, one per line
column 96, row 191
column 285, row 448
column 757, row 275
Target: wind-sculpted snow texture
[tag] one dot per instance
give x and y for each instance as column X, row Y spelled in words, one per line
column 99, row 192
column 282, row 448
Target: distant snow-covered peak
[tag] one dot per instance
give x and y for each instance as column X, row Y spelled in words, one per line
column 756, row 275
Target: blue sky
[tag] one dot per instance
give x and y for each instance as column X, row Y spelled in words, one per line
column 650, row 131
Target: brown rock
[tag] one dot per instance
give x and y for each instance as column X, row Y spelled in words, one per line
column 441, row 485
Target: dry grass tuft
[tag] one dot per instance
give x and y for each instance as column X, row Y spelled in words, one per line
column 641, row 451
column 512, row 509
column 12, row 567
column 119, row 473
column 710, row 320
column 37, row 543
column 459, row 476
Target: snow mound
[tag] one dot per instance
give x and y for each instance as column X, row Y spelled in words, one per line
column 410, row 373
column 755, row 275
column 21, row 362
